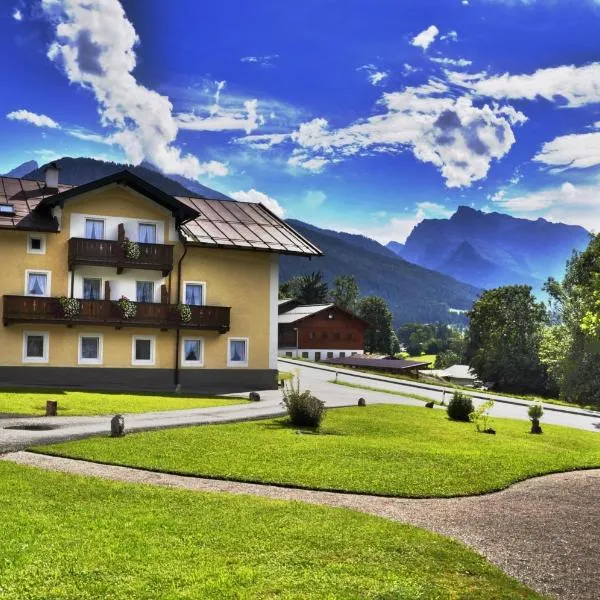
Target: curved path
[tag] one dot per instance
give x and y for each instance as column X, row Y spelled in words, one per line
column 544, row 531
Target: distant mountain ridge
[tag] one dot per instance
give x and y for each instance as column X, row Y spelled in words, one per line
column 412, row 292
column 22, row 169
column 77, row 171
column 493, row 249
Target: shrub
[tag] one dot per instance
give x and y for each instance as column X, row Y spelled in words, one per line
column 460, row 407
column 481, row 416
column 535, row 412
column 304, row 409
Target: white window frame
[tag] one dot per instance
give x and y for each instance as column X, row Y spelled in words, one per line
column 144, row 363
column 192, row 363
column 153, row 299
column 42, row 239
column 46, row 354
column 102, row 286
column 201, row 283
column 231, row 363
column 152, row 224
column 48, row 281
column 91, row 361
column 87, row 218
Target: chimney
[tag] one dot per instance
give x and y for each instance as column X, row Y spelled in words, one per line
column 51, row 172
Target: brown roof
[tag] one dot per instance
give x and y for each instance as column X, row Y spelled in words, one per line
column 24, row 195
column 212, row 223
column 234, row 224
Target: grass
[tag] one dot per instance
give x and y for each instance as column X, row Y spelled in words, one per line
column 77, row 403
column 285, row 376
column 69, row 537
column 393, row 392
column 381, row 449
column 430, row 358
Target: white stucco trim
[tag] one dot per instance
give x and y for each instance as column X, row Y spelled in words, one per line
column 39, row 236
column 273, row 310
column 48, row 275
column 309, row 353
column 91, row 361
column 192, row 363
column 46, row 350
column 238, row 364
column 143, row 363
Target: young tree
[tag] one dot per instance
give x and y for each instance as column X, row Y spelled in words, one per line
column 380, row 336
column 504, row 336
column 345, row 292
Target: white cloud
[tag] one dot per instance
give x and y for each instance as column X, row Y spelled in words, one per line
column 454, row 135
column 573, row 86
column 409, row 69
column 262, row 198
column 33, row 118
column 263, row 61
column 452, row 36
column 222, row 119
column 94, row 44
column 452, row 62
column 574, row 151
column 567, row 203
column 374, row 75
column 17, row 15
column 426, row 37
column 314, row 198
column 263, row 141
column 86, row 136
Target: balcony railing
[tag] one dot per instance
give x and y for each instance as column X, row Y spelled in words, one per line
column 35, row 309
column 110, row 253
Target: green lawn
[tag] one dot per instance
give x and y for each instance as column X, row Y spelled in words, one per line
column 72, row 403
column 390, row 450
column 68, row 537
column 370, row 388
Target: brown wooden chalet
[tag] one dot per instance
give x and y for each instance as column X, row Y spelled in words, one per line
column 319, row 331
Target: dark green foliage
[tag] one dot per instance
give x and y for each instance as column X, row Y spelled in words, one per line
column 412, row 292
column 380, row 336
column 503, row 341
column 431, row 338
column 306, row 289
column 345, row 292
column 446, row 359
column 304, row 409
column 460, row 407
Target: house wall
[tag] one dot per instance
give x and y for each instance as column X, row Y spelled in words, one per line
column 242, row 280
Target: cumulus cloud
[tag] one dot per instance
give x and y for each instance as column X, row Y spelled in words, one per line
column 222, row 119
column 17, row 15
column 262, row 61
column 566, row 203
column 426, row 37
column 453, row 134
column 567, row 84
column 33, row 118
column 374, row 75
column 95, row 46
column 574, row 151
column 260, row 198
column 451, row 62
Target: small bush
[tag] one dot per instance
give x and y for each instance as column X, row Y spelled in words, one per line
column 481, row 417
column 304, row 409
column 460, row 407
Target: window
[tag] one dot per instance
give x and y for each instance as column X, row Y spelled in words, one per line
column 35, row 346
column 37, row 283
column 147, row 233
column 312, row 335
column 91, row 289
column 90, row 349
column 7, row 209
column 192, row 352
column 330, row 355
column 36, row 244
column 336, row 336
column 142, row 350
column 144, row 291
column 342, row 355
column 289, row 354
column 94, row 229
column 305, row 355
column 194, row 293
column 237, row 352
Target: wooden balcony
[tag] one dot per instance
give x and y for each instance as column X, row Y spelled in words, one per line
column 34, row 309
column 110, row 253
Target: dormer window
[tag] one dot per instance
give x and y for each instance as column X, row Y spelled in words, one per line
column 7, row 209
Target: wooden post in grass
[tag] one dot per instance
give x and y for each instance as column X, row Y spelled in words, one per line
column 51, row 408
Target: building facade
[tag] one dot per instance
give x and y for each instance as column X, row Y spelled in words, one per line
column 319, row 331
column 117, row 285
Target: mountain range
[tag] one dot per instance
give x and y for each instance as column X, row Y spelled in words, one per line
column 434, row 276
column 492, row 249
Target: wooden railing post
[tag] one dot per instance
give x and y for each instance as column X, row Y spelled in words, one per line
column 164, row 294
column 121, row 232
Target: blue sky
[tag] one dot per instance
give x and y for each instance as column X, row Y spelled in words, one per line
column 355, row 115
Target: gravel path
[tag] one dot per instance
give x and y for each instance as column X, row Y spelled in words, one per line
column 544, row 531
